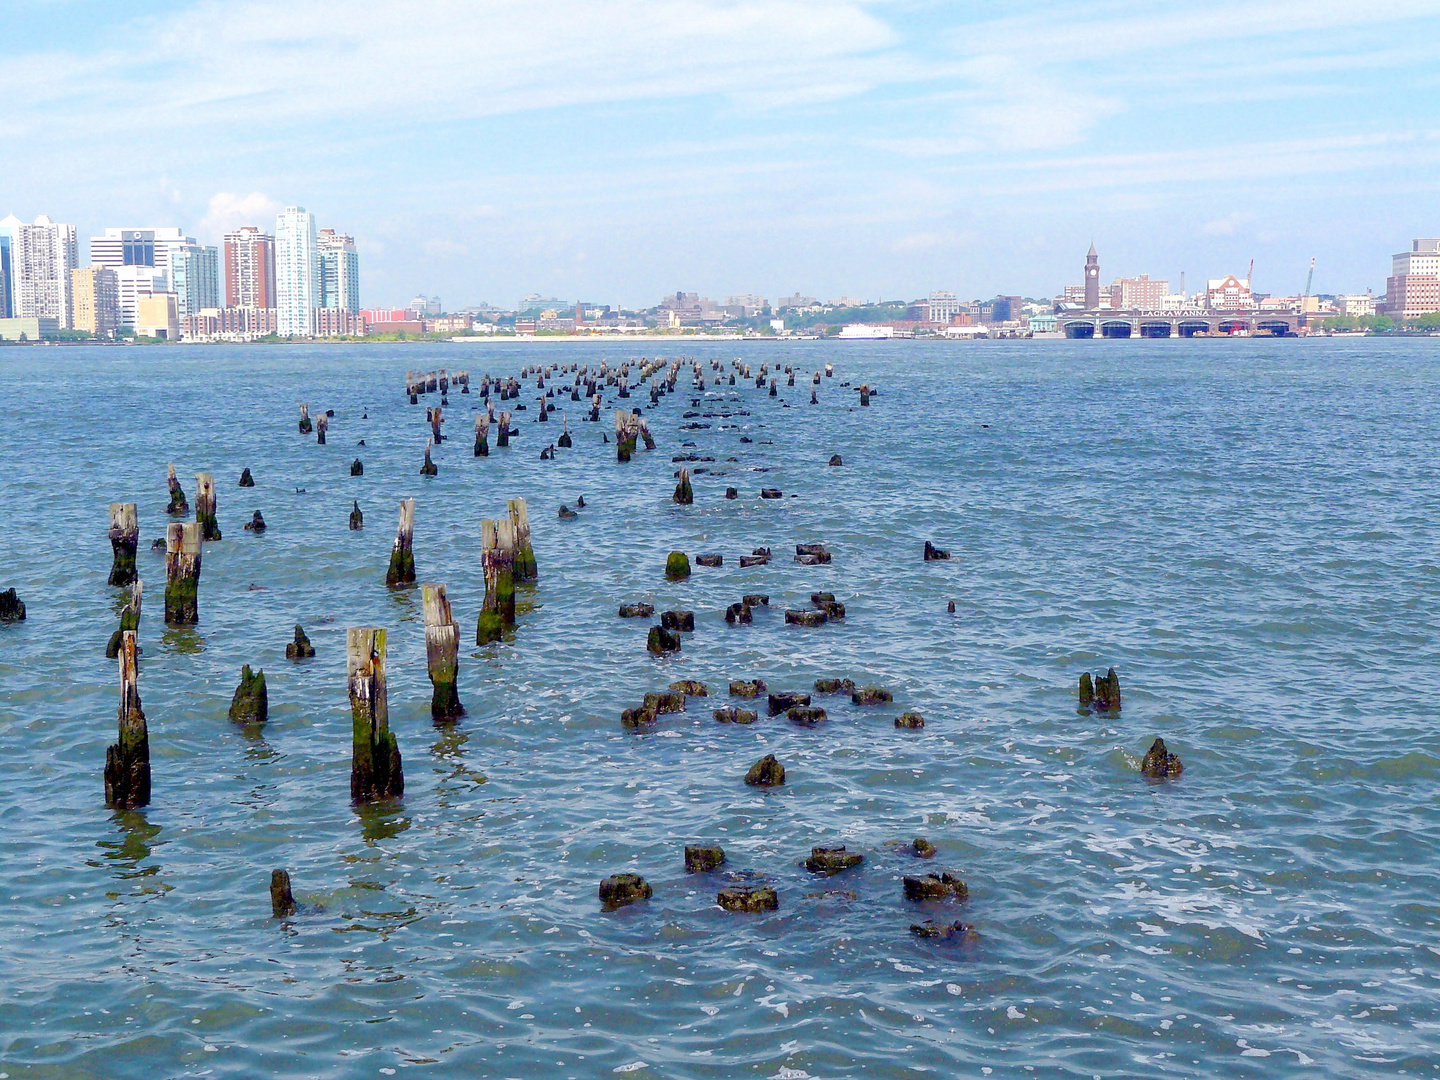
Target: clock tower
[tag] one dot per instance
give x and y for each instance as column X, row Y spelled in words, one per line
column 1092, row 280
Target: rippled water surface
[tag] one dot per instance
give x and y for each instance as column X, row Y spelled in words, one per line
column 1245, row 530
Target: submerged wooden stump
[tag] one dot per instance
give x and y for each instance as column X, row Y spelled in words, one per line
column 178, row 505
column 182, row 573
column 497, row 559
column 402, row 557
column 205, row 506
column 127, row 762
column 282, row 900
column 525, row 566
column 502, row 430
column 124, row 539
column 251, row 703
column 442, row 654
column 129, row 619
column 375, row 768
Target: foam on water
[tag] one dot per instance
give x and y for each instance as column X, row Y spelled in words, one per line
column 1245, row 529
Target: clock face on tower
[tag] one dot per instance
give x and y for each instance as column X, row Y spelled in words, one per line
column 1092, row 271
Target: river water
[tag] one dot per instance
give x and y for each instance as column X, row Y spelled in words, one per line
column 1246, row 530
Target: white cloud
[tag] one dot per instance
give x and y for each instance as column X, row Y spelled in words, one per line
column 228, row 211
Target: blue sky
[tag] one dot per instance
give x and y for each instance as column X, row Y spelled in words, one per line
column 614, row 151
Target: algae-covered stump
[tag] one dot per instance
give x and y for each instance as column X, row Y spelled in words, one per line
column 182, row 573
column 525, row 565
column 1100, row 696
column 357, row 518
column 834, row 686
column 677, row 566
column 739, row 614
column 402, row 556
column 912, row 721
column 482, row 436
column 753, row 900
column 497, row 560
column 300, row 648
column 934, row 554
column 205, row 507
column 251, row 703
column 127, row 762
column 1159, row 763
column 129, row 619
column 832, row 860
column 639, row 610
column 662, row 640
column 305, row 425
column 357, row 468
column 620, row 890
column 282, row 900
column 747, row 688
column 941, row 886
column 678, row 620
column 767, row 772
column 690, row 688
column 322, row 425
column 12, row 608
column 957, row 932
column 922, row 848
column 246, row 480
column 178, row 505
column 684, row 492
column 870, row 695
column 442, row 654
column 375, row 767
column 785, row 700
column 729, row 714
column 702, row 858
column 124, row 539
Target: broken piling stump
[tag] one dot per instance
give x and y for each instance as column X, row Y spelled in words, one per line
column 497, row 561
column 729, row 714
column 910, row 720
column 12, row 608
column 375, row 767
column 182, row 573
column 482, row 436
column 300, row 648
column 282, row 900
column 127, row 762
column 305, row 425
column 739, row 614
column 442, row 654
column 751, row 899
column 747, row 688
column 357, row 519
column 710, row 560
column 402, row 556
column 251, row 703
column 124, row 539
column 357, row 468
column 428, row 467
column 767, row 772
column 832, row 860
column 702, row 858
column 129, row 619
column 678, row 620
column 256, row 523
column 620, row 890
column 525, row 566
column 870, row 695
column 636, row 611
column 662, row 640
column 322, row 425
column 205, row 506
column 684, row 493
column 934, row 554
column 1159, row 763
column 246, row 480
column 677, row 565
column 178, row 505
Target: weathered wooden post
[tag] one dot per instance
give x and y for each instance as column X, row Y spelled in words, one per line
column 428, row 468
column 442, row 654
column 502, row 431
column 282, row 900
column 564, row 439
column 251, row 703
column 644, row 426
column 178, row 505
column 129, row 619
column 402, row 558
column 322, row 424
column 525, row 567
column 497, row 559
column 127, row 762
column 357, row 519
column 205, row 506
column 305, row 426
column 375, row 769
column 182, row 573
column 684, row 493
column 482, row 436
column 124, row 539
column 435, row 426
column 865, row 395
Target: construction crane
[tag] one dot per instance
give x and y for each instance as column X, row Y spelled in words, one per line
column 1309, row 281
column 1250, row 278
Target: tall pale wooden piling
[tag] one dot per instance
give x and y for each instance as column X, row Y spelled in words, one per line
column 435, row 426
column 129, row 619
column 178, row 505
column 305, row 425
column 502, row 430
column 127, row 762
column 402, row 557
column 497, row 559
column 442, row 654
column 182, row 573
column 124, row 539
column 205, row 506
column 375, row 769
column 525, row 567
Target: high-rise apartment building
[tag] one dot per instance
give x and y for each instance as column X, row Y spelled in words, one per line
column 249, row 268
column 5, row 242
column 143, row 260
column 339, row 272
column 1140, row 293
column 297, row 272
column 1413, row 288
column 96, row 298
column 133, row 283
column 195, row 278
column 40, row 258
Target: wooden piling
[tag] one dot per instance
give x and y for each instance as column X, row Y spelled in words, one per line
column 322, row 424
column 497, row 560
column 178, row 505
column 402, row 557
column 428, row 468
column 129, row 619
column 182, row 573
column 502, row 432
column 305, row 426
column 442, row 654
column 357, row 519
column 435, row 426
column 127, row 762
column 565, row 435
column 251, row 703
column 684, row 493
column 124, row 539
column 482, row 436
column 205, row 506
column 282, row 900
column 525, row 567
column 375, row 768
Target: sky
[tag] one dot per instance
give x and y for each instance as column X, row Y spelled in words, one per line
column 614, row 150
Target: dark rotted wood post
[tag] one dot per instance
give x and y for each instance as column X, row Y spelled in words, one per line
column 525, row 567
column 357, row 518
column 502, row 430
column 305, row 425
column 205, row 506
column 402, row 557
column 482, row 436
column 684, row 493
column 127, row 762
column 498, row 561
column 375, row 769
column 282, row 900
column 124, row 539
column 322, row 424
column 565, row 435
column 182, row 573
column 129, row 619
column 178, row 505
column 442, row 654
column 435, row 426
column 427, row 467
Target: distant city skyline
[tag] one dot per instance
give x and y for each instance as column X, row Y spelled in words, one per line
column 763, row 146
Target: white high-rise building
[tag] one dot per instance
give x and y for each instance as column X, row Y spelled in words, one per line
column 134, row 282
column 297, row 272
column 37, row 279
column 144, row 261
column 339, row 272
